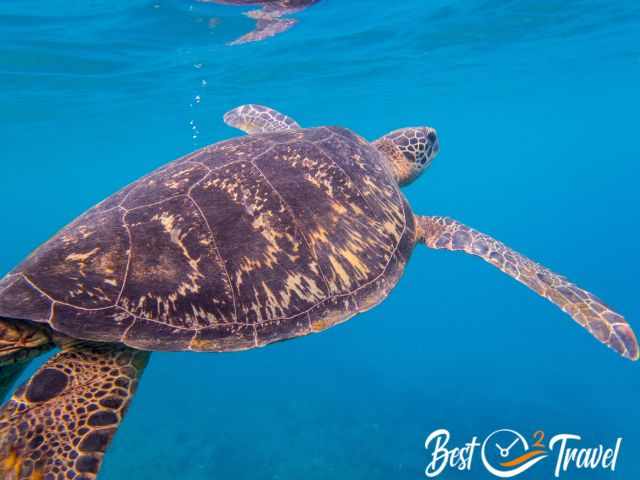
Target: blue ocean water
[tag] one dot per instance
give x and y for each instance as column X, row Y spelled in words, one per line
column 536, row 103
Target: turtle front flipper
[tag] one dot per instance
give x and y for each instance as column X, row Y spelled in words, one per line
column 585, row 308
column 59, row 423
column 253, row 118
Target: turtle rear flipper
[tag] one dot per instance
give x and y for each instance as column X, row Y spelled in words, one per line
column 59, row 424
column 585, row 308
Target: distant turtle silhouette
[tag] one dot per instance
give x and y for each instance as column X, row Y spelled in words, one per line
column 275, row 235
column 269, row 21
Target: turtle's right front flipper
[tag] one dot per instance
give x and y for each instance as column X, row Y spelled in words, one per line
column 585, row 308
column 58, row 425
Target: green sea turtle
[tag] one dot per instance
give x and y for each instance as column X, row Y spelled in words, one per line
column 269, row 21
column 274, row 235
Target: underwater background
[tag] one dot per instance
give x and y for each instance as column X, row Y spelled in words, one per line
column 536, row 103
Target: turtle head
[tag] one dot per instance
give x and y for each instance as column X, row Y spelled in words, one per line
column 409, row 151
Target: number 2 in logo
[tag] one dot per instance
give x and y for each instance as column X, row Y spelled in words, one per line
column 538, row 437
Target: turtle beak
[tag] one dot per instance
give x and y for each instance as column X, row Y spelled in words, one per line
column 434, row 144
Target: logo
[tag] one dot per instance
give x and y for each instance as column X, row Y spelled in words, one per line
column 507, row 453
column 516, row 457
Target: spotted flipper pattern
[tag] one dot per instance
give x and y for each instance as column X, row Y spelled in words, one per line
column 585, row 308
column 59, row 424
column 253, row 119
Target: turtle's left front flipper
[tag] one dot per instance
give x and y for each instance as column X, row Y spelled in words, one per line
column 59, row 423
column 252, row 119
column 585, row 308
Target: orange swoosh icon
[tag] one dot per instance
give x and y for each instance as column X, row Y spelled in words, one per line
column 522, row 458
